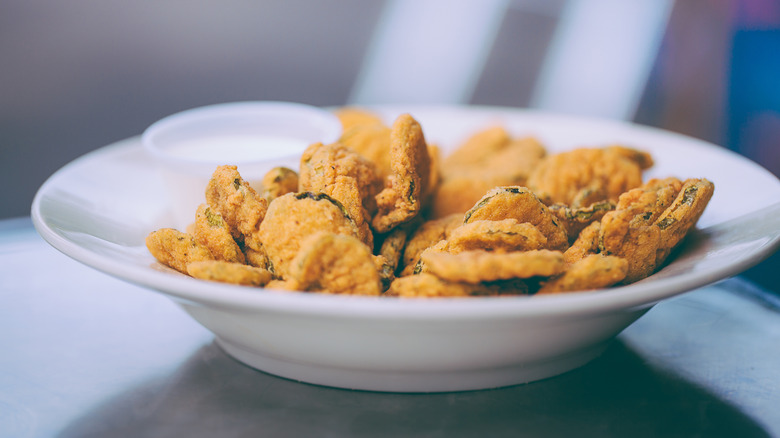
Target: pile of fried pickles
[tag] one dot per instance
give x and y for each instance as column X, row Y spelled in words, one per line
column 380, row 212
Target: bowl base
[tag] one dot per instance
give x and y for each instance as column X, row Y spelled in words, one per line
column 413, row 381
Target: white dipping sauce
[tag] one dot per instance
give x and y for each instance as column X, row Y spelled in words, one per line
column 237, row 149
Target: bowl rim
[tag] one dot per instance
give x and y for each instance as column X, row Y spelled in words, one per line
column 632, row 297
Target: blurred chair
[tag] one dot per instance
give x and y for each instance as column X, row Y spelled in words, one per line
column 434, row 51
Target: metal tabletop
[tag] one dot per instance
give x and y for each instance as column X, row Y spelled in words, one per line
column 83, row 354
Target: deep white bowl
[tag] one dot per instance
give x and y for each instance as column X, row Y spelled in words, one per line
column 413, row 345
column 186, row 147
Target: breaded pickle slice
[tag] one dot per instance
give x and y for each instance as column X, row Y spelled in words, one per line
column 212, row 231
column 345, row 176
column 479, row 266
column 175, row 249
column 519, row 203
column 499, row 236
column 337, row 264
column 574, row 220
column 279, row 181
column 430, row 286
column 408, row 186
column 425, row 236
column 229, row 272
column 293, row 217
column 238, row 203
column 591, row 272
column 682, row 215
column 585, row 175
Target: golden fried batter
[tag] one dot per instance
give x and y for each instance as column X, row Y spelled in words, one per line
column 237, row 202
column 479, row 266
column 430, row 286
column 479, row 145
column 279, row 181
column 574, row 220
column 212, row 232
column 408, row 185
column 228, row 272
column 587, row 243
column 519, row 203
column 459, row 194
column 650, row 221
column 499, row 236
column 371, row 141
column 682, row 215
column 345, row 176
column 293, row 217
column 582, row 176
column 427, row 235
column 258, row 258
column 336, row 264
column 353, row 116
column 175, row 249
column 592, row 272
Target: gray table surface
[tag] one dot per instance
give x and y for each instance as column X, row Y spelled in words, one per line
column 85, row 355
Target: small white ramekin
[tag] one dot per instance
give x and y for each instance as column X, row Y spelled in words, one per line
column 255, row 136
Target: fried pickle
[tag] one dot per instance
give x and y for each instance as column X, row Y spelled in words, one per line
column 279, row 181
column 212, row 232
column 519, row 203
column 175, row 249
column 407, row 186
column 583, row 176
column 430, row 286
column 228, row 272
column 293, row 217
column 335, row 263
column 502, row 236
column 345, row 176
column 480, row 266
column 425, row 236
column 238, row 203
column 591, row 272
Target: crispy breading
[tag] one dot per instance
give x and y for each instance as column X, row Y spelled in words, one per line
column 677, row 220
column 175, row 249
column 371, row 141
column 459, row 194
column 498, row 236
column 228, row 272
column 479, row 266
column 651, row 220
column 493, row 154
column 592, row 272
column 574, row 220
column 238, row 203
column 407, row 187
column 279, row 181
column 430, row 286
column 514, row 202
column 258, row 258
column 479, row 145
column 293, row 217
column 354, row 116
column 425, row 236
column 345, row 176
column 587, row 243
column 585, row 175
column 212, row 232
column 337, row 264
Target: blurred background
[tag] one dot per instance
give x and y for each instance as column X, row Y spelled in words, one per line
column 78, row 75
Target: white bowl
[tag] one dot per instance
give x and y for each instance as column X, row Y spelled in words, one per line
column 419, row 345
column 255, row 136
